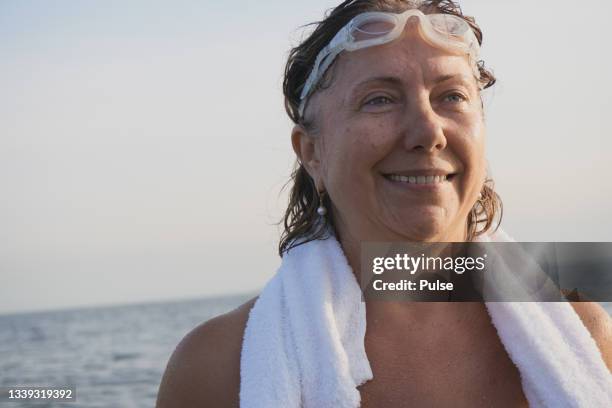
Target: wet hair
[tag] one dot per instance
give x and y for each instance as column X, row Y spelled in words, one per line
column 301, row 221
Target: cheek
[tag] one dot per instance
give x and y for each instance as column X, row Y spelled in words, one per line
column 357, row 148
column 368, row 142
column 471, row 147
column 469, row 138
column 479, row 146
column 349, row 157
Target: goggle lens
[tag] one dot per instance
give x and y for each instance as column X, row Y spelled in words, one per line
column 379, row 26
column 449, row 25
column 372, row 29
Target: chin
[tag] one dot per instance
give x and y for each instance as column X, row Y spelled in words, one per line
column 423, row 229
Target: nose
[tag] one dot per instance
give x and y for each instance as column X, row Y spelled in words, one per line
column 423, row 129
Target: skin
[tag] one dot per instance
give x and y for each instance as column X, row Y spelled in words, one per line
column 204, row 370
column 422, row 354
column 425, row 113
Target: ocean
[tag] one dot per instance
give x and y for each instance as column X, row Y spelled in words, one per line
column 115, row 356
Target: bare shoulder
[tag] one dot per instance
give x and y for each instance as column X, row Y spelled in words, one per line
column 204, row 369
column 599, row 324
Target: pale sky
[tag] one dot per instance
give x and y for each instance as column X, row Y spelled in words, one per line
column 143, row 145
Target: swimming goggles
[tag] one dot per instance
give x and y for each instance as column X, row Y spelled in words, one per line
column 376, row 28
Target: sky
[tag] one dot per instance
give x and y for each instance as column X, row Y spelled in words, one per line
column 144, row 144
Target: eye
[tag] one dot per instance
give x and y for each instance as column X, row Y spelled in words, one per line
column 378, row 101
column 455, row 97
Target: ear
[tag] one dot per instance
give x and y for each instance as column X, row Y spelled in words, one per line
column 304, row 146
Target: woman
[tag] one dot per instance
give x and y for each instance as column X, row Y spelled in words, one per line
column 390, row 139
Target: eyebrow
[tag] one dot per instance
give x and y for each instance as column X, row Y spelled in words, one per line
column 389, row 80
column 392, row 80
column 444, row 78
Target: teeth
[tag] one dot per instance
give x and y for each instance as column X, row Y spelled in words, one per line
column 417, row 179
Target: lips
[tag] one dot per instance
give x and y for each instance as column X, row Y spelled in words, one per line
column 421, row 177
column 417, row 179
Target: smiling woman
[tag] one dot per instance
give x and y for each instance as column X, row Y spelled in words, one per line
column 373, row 95
column 402, row 109
column 390, row 137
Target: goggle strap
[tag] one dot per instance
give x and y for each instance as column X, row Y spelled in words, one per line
column 327, row 56
column 314, row 71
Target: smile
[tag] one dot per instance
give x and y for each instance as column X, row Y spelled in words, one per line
column 425, row 179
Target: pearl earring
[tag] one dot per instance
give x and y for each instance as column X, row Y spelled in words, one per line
column 322, row 211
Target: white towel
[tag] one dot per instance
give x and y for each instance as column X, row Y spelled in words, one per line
column 304, row 341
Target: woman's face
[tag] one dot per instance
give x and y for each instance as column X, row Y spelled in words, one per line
column 398, row 142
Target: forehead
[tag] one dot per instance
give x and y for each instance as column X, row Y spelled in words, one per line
column 409, row 59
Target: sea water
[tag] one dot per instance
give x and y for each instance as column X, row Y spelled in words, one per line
column 115, row 356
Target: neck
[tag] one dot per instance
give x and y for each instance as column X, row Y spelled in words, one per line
column 351, row 246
